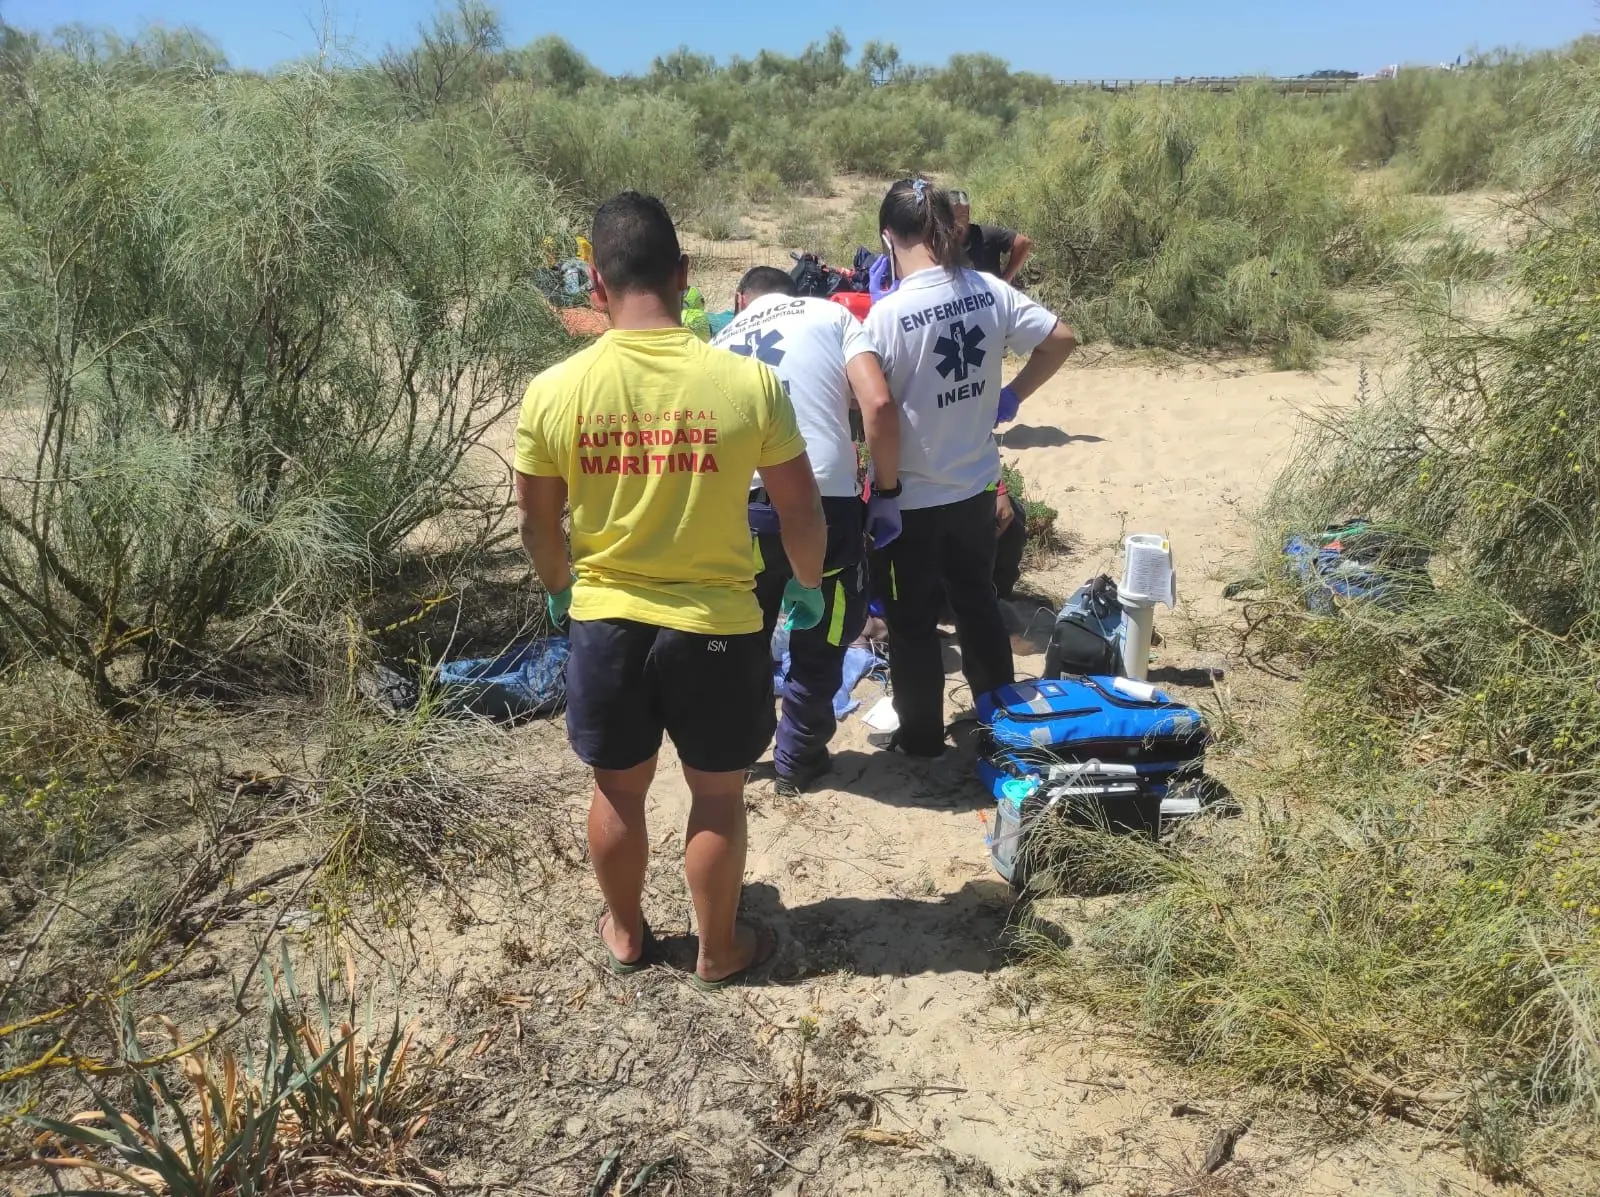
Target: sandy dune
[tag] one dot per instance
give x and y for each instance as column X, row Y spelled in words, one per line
column 893, row 921
column 1182, row 451
column 886, row 875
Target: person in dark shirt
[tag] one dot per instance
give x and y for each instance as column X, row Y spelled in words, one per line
column 988, row 244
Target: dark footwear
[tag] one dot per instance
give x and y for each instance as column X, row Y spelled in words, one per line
column 891, row 742
column 792, row 785
column 766, row 951
column 625, row 968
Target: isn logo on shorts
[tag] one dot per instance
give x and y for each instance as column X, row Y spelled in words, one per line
column 716, row 646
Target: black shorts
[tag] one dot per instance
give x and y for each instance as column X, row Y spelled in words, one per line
column 628, row 682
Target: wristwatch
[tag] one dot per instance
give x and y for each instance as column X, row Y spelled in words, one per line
column 893, row 492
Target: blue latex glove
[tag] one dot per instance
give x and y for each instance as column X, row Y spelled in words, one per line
column 879, row 283
column 558, row 603
column 1009, row 403
column 883, row 520
column 802, row 606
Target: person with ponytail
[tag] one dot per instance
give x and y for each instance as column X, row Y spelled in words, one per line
column 942, row 334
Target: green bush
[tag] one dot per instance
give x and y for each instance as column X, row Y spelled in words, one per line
column 331, row 1100
column 867, row 139
column 1040, row 516
column 791, row 118
column 761, row 186
column 1411, row 909
column 1556, row 155
column 804, row 231
column 1183, row 218
column 1457, row 147
column 1490, row 445
column 391, row 804
column 720, row 222
column 782, row 148
column 64, row 763
column 1449, row 131
column 984, row 84
column 1379, row 120
column 454, row 61
column 894, row 133
column 247, row 354
column 553, row 62
column 595, row 143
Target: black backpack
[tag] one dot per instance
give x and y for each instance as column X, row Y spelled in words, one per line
column 811, row 277
column 1087, row 638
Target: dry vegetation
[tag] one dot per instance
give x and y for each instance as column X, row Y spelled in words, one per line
column 257, row 331
column 1410, row 911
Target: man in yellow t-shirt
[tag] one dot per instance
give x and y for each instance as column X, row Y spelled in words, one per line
column 651, row 436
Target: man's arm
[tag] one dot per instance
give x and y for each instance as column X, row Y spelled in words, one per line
column 1048, row 357
column 1004, row 512
column 1021, row 251
column 792, row 490
column 540, row 502
column 879, row 417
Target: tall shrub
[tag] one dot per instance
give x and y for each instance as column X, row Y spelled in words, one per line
column 1491, row 444
column 1411, row 910
column 1378, row 120
column 1448, row 131
column 596, row 143
column 781, row 147
column 246, row 355
column 1192, row 218
column 892, row 131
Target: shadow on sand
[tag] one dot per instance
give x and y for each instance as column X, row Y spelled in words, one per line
column 1030, row 436
column 963, row 932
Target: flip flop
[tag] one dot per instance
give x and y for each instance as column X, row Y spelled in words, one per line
column 766, row 952
column 625, row 968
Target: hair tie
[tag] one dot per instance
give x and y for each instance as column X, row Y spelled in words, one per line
column 920, row 187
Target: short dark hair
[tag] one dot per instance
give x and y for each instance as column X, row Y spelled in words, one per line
column 766, row 280
column 635, row 245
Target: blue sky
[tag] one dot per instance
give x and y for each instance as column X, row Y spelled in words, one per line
column 1128, row 38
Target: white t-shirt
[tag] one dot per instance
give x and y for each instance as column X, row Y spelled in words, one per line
column 942, row 337
column 808, row 342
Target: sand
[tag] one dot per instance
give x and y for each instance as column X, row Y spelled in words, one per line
column 898, row 1050
column 892, row 983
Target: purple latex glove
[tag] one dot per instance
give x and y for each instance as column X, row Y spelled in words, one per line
column 879, row 283
column 1010, row 401
column 883, row 520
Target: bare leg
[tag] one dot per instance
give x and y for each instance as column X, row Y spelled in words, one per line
column 713, row 858
column 619, row 845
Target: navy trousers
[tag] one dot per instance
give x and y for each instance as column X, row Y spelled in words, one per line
column 816, row 656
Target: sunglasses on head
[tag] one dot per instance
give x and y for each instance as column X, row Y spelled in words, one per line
column 959, row 199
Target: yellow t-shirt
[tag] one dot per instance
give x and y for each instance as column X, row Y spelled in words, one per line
column 657, row 434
